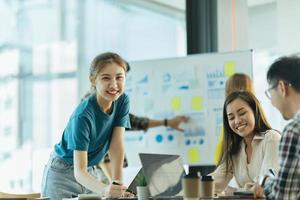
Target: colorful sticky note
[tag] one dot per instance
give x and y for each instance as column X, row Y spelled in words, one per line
column 193, row 155
column 218, row 151
column 176, row 104
column 159, row 138
column 229, row 68
column 197, row 103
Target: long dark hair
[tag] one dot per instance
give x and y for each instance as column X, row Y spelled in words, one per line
column 232, row 141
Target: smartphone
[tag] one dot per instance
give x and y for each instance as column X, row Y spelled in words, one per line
column 243, row 193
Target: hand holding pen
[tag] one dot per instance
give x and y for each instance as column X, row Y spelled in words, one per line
column 273, row 173
column 128, row 193
column 116, row 190
column 259, row 191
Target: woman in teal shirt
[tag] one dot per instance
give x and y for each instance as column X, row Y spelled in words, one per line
column 96, row 127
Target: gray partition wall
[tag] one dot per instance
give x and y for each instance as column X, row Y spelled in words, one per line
column 201, row 26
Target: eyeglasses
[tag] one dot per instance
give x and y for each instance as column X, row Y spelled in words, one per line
column 268, row 91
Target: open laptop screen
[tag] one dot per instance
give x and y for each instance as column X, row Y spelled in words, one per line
column 135, row 181
column 163, row 173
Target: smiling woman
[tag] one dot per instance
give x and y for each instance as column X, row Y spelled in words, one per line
column 241, row 118
column 44, row 48
column 96, row 126
column 250, row 145
column 107, row 79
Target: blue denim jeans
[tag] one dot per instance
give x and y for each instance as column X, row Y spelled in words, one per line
column 59, row 181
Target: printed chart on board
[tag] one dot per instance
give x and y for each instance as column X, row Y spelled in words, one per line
column 193, row 86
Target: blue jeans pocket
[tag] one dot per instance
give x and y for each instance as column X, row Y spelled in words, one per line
column 59, row 165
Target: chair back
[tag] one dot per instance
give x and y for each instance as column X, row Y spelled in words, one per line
column 16, row 196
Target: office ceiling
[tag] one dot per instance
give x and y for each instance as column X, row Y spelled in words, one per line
column 180, row 4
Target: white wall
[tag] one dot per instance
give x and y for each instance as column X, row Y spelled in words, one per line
column 288, row 23
column 262, row 26
column 232, row 25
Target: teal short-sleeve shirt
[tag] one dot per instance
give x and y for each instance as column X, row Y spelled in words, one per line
column 90, row 129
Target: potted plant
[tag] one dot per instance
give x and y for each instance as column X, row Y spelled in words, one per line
column 142, row 189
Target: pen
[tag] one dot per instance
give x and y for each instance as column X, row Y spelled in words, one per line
column 272, row 172
column 115, row 183
column 127, row 190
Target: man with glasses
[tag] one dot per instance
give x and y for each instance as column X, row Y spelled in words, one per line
column 284, row 92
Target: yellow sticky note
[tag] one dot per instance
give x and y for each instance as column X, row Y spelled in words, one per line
column 176, row 103
column 229, row 68
column 197, row 103
column 193, row 155
column 218, row 152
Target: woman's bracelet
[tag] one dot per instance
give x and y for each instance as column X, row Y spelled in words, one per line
column 166, row 122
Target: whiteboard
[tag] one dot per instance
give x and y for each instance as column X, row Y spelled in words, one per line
column 194, row 86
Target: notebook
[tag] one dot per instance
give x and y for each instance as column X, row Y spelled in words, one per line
column 163, row 174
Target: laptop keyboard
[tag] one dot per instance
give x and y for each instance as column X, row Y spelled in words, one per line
column 151, row 198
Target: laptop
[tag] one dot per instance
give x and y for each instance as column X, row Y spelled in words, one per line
column 163, row 173
column 135, row 182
